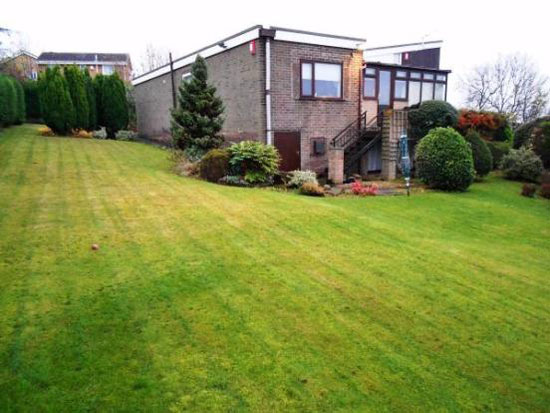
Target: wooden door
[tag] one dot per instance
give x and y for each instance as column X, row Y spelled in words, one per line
column 288, row 145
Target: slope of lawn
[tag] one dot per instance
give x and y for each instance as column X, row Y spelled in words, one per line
column 212, row 298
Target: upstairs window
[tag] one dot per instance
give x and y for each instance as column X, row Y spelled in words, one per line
column 108, row 69
column 321, row 80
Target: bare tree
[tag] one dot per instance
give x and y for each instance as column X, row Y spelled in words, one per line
column 152, row 58
column 511, row 85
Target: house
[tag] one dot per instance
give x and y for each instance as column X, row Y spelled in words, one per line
column 104, row 63
column 23, row 66
column 312, row 95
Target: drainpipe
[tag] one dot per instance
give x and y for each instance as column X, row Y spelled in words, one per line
column 268, row 90
column 172, row 80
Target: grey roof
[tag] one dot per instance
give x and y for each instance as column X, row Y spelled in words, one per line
column 84, row 57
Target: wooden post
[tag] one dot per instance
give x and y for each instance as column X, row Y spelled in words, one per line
column 172, row 79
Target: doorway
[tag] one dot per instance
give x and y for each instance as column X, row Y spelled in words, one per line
column 288, row 145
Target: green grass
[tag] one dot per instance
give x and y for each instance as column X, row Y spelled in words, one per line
column 205, row 297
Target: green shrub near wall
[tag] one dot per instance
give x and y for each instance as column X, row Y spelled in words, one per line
column 214, row 165
column 254, row 161
column 444, row 160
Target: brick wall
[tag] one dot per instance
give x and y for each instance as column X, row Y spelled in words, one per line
column 312, row 118
column 239, row 78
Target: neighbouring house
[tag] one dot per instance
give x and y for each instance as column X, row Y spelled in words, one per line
column 318, row 98
column 22, row 66
column 96, row 63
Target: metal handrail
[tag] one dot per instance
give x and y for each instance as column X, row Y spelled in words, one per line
column 352, row 132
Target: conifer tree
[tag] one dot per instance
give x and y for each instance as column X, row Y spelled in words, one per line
column 114, row 105
column 197, row 120
column 92, row 105
column 32, row 100
column 20, row 110
column 8, row 101
column 55, row 101
column 98, row 88
column 77, row 90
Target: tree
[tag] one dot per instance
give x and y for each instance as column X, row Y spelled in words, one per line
column 98, row 88
column 197, row 121
column 114, row 105
column 511, row 85
column 55, row 101
column 21, row 113
column 152, row 58
column 32, row 102
column 8, row 101
column 77, row 90
column 90, row 96
column 483, row 159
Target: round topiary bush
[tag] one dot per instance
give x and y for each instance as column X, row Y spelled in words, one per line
column 522, row 164
column 214, row 165
column 444, row 160
column 483, row 160
column 429, row 115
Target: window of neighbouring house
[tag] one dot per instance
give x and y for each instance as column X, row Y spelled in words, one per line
column 369, row 86
column 414, row 93
column 186, row 77
column 108, row 69
column 321, row 80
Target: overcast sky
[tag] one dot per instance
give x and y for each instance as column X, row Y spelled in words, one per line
column 474, row 32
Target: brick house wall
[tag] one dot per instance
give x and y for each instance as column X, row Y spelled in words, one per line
column 21, row 67
column 312, row 118
column 239, row 78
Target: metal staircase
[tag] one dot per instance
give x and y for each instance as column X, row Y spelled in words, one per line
column 357, row 139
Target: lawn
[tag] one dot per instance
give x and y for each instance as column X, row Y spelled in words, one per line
column 212, row 298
